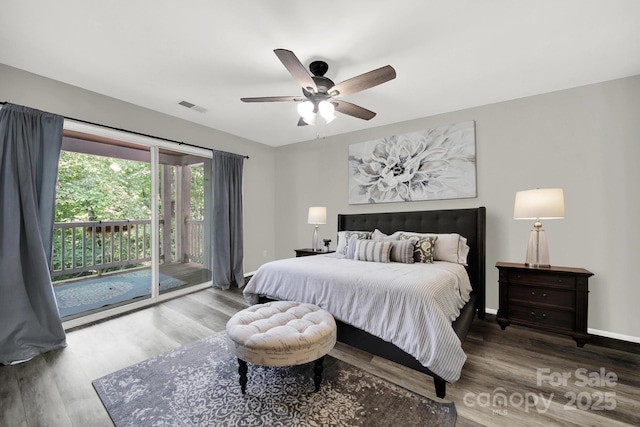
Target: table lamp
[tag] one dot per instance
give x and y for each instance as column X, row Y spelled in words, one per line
column 538, row 204
column 317, row 215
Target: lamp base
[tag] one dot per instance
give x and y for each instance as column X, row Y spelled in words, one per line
column 316, row 239
column 537, row 250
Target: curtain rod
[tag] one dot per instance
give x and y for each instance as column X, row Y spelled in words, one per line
column 142, row 134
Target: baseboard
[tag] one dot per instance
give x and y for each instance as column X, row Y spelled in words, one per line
column 602, row 338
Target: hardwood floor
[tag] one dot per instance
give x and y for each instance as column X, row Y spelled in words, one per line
column 55, row 389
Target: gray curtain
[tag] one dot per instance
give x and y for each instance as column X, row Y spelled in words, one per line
column 30, row 142
column 227, row 235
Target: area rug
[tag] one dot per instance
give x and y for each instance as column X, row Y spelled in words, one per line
column 81, row 296
column 197, row 385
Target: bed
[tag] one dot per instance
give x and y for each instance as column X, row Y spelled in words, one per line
column 322, row 279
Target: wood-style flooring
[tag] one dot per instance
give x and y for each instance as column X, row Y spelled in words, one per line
column 54, row 389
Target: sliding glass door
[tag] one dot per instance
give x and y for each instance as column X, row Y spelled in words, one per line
column 130, row 227
column 184, row 219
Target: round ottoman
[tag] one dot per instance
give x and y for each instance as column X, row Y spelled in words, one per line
column 281, row 333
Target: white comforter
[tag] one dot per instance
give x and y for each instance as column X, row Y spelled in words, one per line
column 409, row 305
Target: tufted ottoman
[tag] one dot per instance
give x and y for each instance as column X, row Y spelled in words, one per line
column 281, row 333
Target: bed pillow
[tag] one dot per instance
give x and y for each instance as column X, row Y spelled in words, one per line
column 379, row 236
column 351, row 246
column 402, row 250
column 369, row 250
column 423, row 249
column 450, row 247
column 345, row 236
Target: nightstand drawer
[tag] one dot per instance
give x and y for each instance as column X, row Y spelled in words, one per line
column 539, row 277
column 554, row 319
column 556, row 297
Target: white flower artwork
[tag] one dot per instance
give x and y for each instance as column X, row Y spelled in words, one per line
column 431, row 164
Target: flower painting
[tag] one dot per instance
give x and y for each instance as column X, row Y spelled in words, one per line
column 432, row 164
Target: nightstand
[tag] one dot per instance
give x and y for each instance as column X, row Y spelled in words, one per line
column 554, row 299
column 309, row 251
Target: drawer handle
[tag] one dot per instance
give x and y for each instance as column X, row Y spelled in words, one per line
column 533, row 313
column 534, row 294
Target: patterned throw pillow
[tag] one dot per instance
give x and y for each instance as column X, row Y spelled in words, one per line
column 368, row 250
column 423, row 249
column 350, row 236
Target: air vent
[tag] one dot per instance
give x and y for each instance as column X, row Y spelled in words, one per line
column 192, row 106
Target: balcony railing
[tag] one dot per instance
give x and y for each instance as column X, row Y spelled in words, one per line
column 99, row 245
column 194, row 250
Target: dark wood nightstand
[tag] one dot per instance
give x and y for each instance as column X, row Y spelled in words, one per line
column 554, row 299
column 309, row 251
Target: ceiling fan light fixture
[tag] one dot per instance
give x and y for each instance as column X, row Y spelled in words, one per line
column 327, row 110
column 306, row 111
column 319, row 90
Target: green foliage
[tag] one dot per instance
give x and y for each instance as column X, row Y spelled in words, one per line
column 197, row 192
column 93, row 188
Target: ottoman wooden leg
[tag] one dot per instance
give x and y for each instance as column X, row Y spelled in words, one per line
column 242, row 370
column 317, row 370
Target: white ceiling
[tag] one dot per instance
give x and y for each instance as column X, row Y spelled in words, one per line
column 448, row 54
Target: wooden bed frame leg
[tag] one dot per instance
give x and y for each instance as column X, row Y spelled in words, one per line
column 441, row 387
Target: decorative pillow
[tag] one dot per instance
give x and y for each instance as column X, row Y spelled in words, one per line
column 368, row 250
column 351, row 246
column 402, row 250
column 379, row 236
column 344, row 238
column 424, row 248
column 450, row 247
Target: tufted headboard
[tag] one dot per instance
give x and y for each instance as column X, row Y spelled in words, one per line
column 470, row 223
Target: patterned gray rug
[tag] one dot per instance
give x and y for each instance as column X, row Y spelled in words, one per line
column 197, row 385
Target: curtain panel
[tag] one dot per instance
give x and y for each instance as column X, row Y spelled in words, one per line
column 30, row 142
column 227, row 229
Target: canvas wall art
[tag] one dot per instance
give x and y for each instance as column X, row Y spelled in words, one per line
column 431, row 164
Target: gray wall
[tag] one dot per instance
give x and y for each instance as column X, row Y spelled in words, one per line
column 586, row 140
column 34, row 91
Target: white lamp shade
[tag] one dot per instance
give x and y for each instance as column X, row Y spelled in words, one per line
column 305, row 108
column 317, row 215
column 306, row 111
column 327, row 111
column 541, row 203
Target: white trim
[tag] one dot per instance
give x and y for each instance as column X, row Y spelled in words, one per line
column 596, row 332
column 155, row 225
column 154, row 145
column 614, row 335
column 127, row 308
column 97, row 130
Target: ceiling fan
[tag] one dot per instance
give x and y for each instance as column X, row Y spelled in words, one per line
column 321, row 95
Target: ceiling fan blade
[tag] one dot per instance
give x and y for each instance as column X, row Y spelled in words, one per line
column 273, row 99
column 353, row 110
column 364, row 81
column 296, row 69
column 302, row 122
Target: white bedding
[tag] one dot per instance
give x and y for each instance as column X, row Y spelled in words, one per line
column 409, row 305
